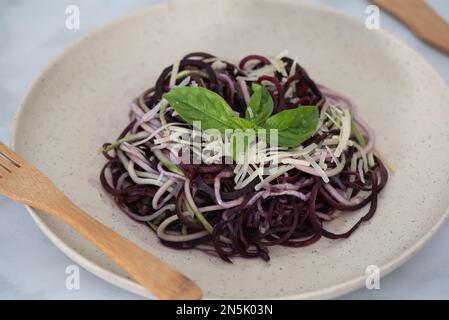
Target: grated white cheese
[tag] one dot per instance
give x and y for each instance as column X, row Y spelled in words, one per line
column 335, row 109
column 362, row 152
column 184, row 82
column 317, row 168
column 150, row 114
column 334, row 158
column 332, row 119
column 301, row 151
column 245, row 182
column 345, row 132
column 293, row 67
column 238, row 171
column 322, row 162
column 360, row 169
column 281, row 171
column 371, row 159
column 279, row 65
column 267, row 70
column 289, row 91
column 211, row 59
column 282, row 54
column 155, row 133
column 261, row 169
column 294, row 100
column 330, row 142
column 295, row 162
column 218, row 65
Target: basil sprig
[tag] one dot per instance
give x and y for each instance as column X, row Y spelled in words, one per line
column 294, row 126
column 260, row 105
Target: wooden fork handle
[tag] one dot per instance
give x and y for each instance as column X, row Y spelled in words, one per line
column 158, row 277
column 421, row 19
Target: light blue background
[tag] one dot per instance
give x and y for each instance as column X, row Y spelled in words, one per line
column 31, row 267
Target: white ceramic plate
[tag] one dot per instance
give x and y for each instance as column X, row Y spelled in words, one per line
column 81, row 100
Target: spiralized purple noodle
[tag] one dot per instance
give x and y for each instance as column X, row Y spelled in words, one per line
column 291, row 210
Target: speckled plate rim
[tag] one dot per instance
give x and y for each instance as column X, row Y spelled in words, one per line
column 131, row 286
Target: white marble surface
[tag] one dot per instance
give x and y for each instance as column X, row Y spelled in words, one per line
column 31, row 34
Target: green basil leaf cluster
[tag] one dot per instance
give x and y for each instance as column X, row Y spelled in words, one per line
column 260, row 105
column 294, row 126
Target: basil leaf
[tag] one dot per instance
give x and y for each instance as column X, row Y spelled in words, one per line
column 294, row 125
column 201, row 104
column 260, row 105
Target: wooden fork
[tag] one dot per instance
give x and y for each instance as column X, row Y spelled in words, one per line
column 24, row 183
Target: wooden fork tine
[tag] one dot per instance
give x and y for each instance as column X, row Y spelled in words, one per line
column 4, row 168
column 9, row 156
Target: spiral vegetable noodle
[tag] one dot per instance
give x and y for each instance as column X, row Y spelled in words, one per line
column 240, row 209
